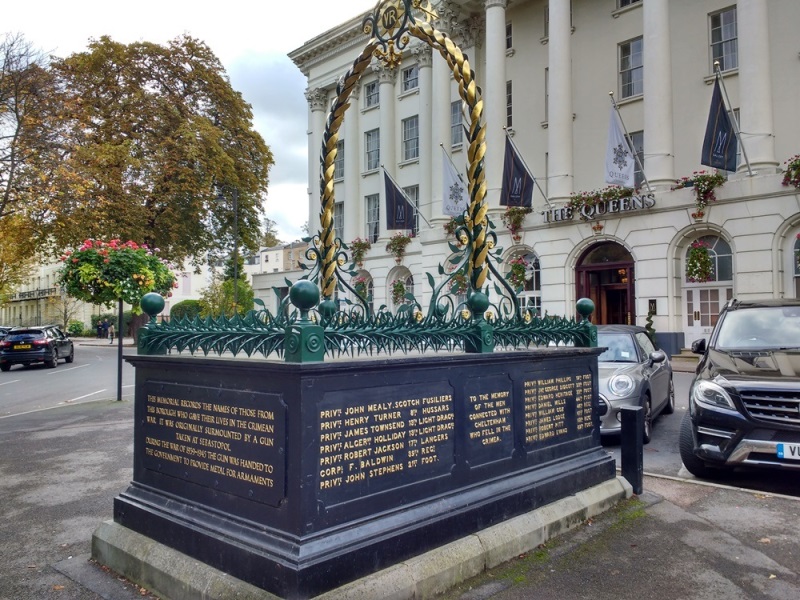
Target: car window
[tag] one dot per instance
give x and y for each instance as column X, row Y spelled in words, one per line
column 645, row 344
column 620, row 347
column 762, row 327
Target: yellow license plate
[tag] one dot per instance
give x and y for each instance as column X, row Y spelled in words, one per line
column 22, row 347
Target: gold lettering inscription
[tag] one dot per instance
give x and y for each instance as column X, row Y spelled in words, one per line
column 377, row 439
column 204, row 436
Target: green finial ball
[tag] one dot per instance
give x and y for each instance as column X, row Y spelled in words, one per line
column 585, row 307
column 478, row 303
column 152, row 304
column 327, row 308
column 304, row 294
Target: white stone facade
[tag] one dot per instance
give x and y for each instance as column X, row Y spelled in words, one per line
column 546, row 68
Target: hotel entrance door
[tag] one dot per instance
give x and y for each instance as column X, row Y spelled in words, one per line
column 605, row 274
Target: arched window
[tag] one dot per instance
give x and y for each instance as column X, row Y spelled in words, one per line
column 530, row 297
column 721, row 258
column 796, row 263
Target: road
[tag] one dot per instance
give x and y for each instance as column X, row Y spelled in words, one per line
column 92, row 376
column 662, row 457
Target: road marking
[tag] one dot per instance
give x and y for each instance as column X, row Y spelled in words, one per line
column 65, row 370
column 84, row 396
column 59, row 405
column 12, row 381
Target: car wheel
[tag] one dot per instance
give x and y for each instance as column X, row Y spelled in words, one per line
column 52, row 363
column 694, row 465
column 647, row 433
column 5, row 367
column 71, row 356
column 669, row 408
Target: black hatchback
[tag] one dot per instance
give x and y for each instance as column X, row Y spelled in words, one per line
column 744, row 402
column 29, row 345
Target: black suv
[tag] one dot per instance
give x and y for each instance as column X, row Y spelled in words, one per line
column 744, row 402
column 28, row 345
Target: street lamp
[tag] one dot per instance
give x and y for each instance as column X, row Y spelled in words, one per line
column 221, row 197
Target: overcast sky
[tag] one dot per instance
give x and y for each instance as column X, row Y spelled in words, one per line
column 250, row 38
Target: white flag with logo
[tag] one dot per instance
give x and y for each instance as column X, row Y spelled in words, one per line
column 454, row 193
column 620, row 161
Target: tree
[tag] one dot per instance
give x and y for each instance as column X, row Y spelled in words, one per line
column 270, row 237
column 63, row 308
column 25, row 89
column 217, row 298
column 150, row 133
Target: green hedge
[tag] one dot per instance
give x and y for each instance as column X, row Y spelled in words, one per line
column 186, row 308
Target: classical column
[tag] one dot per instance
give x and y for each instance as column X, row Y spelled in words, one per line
column 440, row 130
column 494, row 95
column 559, row 129
column 353, row 203
column 755, row 86
column 317, row 105
column 388, row 152
column 424, row 57
column 659, row 166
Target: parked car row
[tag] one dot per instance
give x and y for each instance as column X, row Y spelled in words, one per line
column 29, row 345
column 744, row 400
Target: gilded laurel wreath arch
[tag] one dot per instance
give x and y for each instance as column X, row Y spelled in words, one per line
column 395, row 19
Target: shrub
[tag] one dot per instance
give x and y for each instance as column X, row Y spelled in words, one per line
column 187, row 309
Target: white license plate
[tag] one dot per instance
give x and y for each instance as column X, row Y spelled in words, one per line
column 789, row 451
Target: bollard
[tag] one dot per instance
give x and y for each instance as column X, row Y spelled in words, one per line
column 632, row 446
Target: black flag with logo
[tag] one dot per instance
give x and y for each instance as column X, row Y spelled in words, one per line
column 719, row 145
column 399, row 212
column 517, row 181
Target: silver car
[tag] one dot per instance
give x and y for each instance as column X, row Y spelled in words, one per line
column 632, row 372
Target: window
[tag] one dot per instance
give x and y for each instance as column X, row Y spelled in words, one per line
column 456, row 124
column 796, row 263
column 724, row 39
column 530, row 297
column 372, row 143
column 338, row 164
column 509, row 119
column 637, row 140
column 624, row 3
column 721, row 258
column 735, row 117
column 509, row 40
column 546, row 93
column 412, row 193
column 338, row 218
column 410, row 78
column 631, row 70
column 547, row 19
column 186, row 283
column 373, row 217
column 371, row 94
column 411, row 138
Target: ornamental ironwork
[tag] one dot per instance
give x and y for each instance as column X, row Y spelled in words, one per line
column 309, row 324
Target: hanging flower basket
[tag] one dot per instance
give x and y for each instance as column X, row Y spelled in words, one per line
column 359, row 249
column 360, row 285
column 704, row 183
column 397, row 245
column 102, row 272
column 398, row 291
column 699, row 266
column 514, row 217
column 792, row 174
column 516, row 275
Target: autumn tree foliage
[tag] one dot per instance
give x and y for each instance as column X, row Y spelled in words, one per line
column 25, row 86
column 149, row 135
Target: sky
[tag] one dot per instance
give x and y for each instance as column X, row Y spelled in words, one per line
column 251, row 39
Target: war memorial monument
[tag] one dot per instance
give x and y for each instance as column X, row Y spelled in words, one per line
column 364, row 437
